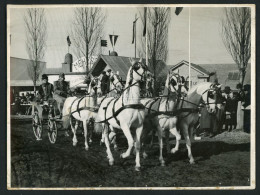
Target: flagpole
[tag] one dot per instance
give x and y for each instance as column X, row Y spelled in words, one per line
column 146, row 39
column 189, row 52
column 135, row 34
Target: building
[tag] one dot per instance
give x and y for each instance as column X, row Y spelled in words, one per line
column 121, row 65
column 20, row 80
column 227, row 74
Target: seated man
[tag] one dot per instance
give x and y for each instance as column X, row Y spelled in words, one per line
column 45, row 91
column 61, row 92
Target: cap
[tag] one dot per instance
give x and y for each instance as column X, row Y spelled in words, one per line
column 62, row 75
column 109, row 70
column 44, row 76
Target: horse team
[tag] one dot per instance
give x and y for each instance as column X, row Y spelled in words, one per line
column 139, row 116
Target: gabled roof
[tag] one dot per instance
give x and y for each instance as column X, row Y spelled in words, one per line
column 194, row 66
column 118, row 63
column 19, row 73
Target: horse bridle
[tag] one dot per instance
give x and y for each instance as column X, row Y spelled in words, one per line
column 115, row 84
column 137, row 66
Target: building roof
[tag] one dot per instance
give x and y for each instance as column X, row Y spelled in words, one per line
column 118, row 63
column 19, row 73
column 227, row 74
column 194, row 66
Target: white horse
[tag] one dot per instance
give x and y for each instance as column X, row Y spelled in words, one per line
column 131, row 117
column 82, row 109
column 205, row 93
column 166, row 103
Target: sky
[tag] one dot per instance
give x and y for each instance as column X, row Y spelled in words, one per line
column 205, row 25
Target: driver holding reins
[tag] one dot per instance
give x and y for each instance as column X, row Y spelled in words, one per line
column 61, row 92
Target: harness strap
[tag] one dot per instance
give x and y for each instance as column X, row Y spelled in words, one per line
column 113, row 110
column 150, row 107
column 134, row 106
column 79, row 103
column 105, row 108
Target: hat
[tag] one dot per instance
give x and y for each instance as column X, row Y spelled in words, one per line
column 109, row 70
column 44, row 76
column 62, row 75
column 227, row 88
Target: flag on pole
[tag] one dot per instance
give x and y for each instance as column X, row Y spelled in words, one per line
column 111, row 39
column 145, row 11
column 178, row 10
column 115, row 39
column 68, row 41
column 134, row 30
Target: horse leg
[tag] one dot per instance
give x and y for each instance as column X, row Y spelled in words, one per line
column 130, row 140
column 185, row 129
column 85, row 134
column 107, row 142
column 112, row 137
column 159, row 131
column 178, row 138
column 167, row 137
column 138, row 147
column 74, row 130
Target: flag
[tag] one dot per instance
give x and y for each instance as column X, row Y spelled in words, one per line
column 111, row 39
column 134, row 29
column 145, row 11
column 133, row 40
column 68, row 41
column 178, row 10
column 115, row 39
column 103, row 43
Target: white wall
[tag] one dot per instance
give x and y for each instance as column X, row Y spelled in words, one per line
column 72, row 79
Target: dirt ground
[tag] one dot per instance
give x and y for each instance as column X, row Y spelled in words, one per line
column 220, row 161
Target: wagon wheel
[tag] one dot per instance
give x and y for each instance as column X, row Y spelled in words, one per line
column 52, row 131
column 37, row 126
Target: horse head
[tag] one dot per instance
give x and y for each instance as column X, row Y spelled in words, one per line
column 174, row 83
column 210, row 94
column 136, row 72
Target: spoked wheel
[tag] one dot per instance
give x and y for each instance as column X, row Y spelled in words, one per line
column 52, row 130
column 37, row 126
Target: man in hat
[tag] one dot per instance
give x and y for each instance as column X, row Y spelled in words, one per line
column 105, row 82
column 45, row 91
column 61, row 91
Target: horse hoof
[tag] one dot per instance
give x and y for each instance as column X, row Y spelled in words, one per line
column 90, row 141
column 162, row 164
column 111, row 163
column 145, row 156
column 74, row 144
column 116, row 148
column 86, row 149
column 192, row 162
column 173, row 150
column 138, row 169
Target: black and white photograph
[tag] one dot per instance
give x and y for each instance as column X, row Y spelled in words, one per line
column 131, row 96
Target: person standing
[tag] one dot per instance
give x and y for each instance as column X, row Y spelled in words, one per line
column 61, row 92
column 240, row 99
column 105, row 82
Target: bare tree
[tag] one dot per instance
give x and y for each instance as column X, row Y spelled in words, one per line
column 36, row 35
column 87, row 28
column 236, row 35
column 158, row 19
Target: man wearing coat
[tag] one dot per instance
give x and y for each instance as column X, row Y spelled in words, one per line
column 61, row 91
